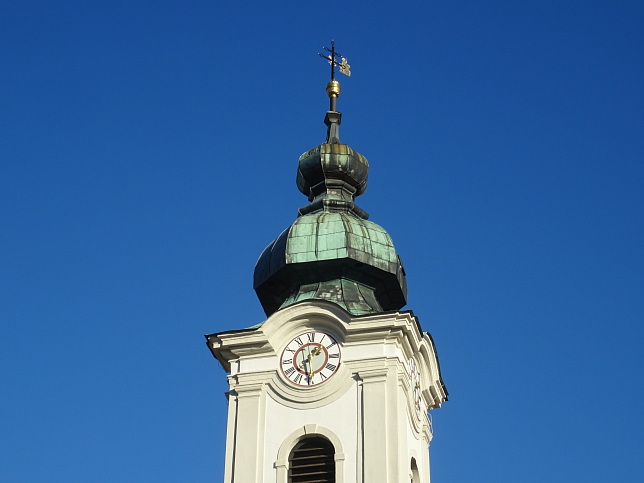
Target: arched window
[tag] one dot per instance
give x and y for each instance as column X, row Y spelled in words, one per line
column 312, row 461
column 415, row 477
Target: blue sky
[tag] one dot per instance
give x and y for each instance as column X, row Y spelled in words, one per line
column 148, row 154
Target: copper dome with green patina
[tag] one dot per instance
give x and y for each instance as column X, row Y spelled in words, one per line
column 332, row 251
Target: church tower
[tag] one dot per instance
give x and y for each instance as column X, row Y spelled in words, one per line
column 336, row 384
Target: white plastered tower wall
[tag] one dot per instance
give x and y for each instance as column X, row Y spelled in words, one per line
column 368, row 409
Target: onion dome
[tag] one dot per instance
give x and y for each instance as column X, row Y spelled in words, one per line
column 332, row 251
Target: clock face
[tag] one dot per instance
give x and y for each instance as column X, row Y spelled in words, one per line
column 414, row 375
column 310, row 358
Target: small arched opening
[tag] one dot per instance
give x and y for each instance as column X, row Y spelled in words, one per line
column 415, row 475
column 312, row 460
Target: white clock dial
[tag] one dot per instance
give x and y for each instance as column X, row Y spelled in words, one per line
column 310, row 358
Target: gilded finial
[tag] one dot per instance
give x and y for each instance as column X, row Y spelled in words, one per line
column 333, row 89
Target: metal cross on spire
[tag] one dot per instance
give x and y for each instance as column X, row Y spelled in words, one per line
column 333, row 60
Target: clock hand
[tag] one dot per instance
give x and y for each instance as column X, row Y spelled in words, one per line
column 305, row 360
column 310, row 370
column 315, row 352
column 308, row 359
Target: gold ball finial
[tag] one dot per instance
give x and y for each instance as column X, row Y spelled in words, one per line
column 333, row 89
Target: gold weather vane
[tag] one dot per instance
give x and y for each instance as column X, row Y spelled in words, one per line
column 333, row 87
column 342, row 64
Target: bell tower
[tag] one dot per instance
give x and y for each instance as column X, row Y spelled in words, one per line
column 336, row 384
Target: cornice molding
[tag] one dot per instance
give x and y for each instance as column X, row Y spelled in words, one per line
column 400, row 329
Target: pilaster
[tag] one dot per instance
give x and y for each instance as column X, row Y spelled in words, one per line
column 375, row 432
column 246, row 455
